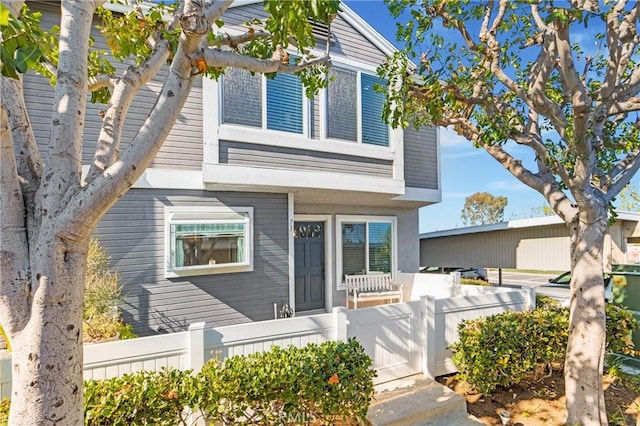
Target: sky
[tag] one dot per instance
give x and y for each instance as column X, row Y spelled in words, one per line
column 465, row 170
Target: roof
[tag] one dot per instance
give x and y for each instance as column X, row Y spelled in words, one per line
column 520, row 223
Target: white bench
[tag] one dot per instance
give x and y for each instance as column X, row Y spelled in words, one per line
column 371, row 287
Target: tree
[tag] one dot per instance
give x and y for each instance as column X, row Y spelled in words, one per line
column 628, row 199
column 559, row 80
column 482, row 208
column 48, row 210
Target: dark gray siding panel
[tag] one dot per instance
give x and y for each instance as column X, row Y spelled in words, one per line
column 182, row 148
column 245, row 154
column 421, row 158
column 133, row 234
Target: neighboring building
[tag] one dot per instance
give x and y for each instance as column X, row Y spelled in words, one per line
column 260, row 198
column 539, row 243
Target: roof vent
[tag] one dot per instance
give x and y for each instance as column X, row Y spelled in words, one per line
column 321, row 31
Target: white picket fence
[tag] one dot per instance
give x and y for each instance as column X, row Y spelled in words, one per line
column 402, row 338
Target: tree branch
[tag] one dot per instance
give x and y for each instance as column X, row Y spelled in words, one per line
column 622, row 174
column 69, row 106
column 100, row 81
column 221, row 59
column 237, row 40
column 15, row 291
column 14, row 6
column 27, row 155
column 125, row 90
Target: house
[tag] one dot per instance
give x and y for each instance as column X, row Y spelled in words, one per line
column 261, row 199
column 541, row 243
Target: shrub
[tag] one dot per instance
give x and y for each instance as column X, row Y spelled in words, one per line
column 103, row 294
column 471, row 281
column 4, row 411
column 503, row 349
column 143, row 398
column 318, row 383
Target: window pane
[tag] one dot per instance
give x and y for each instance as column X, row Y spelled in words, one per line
column 353, row 249
column 341, row 105
column 379, row 247
column 207, row 244
column 241, row 98
column 374, row 130
column 284, row 103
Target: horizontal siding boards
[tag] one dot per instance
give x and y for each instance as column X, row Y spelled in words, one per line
column 181, row 150
column 350, row 43
column 245, row 154
column 421, row 158
column 543, row 248
column 133, row 234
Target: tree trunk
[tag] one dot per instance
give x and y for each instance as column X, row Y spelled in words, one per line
column 47, row 352
column 585, row 349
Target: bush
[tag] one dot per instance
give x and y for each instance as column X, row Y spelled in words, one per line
column 471, row 281
column 4, row 411
column 103, row 294
column 318, row 383
column 503, row 349
column 143, row 398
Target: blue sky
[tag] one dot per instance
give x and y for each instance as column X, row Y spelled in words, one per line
column 464, row 169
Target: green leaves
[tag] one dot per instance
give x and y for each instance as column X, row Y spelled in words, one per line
column 19, row 50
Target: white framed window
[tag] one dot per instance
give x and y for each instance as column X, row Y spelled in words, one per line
column 267, row 103
column 354, row 108
column 208, row 240
column 365, row 245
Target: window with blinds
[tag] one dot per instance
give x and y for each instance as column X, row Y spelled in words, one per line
column 374, row 130
column 344, row 94
column 205, row 240
column 284, row 103
column 366, row 246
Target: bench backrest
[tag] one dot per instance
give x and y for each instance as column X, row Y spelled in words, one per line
column 368, row 282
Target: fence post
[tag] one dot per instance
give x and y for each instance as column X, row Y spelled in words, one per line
column 196, row 345
column 340, row 313
column 531, row 293
column 429, row 339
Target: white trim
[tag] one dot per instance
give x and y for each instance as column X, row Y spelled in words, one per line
column 211, row 120
column 364, row 219
column 219, row 174
column 172, row 214
column 255, row 135
column 367, row 30
column 395, row 137
column 420, row 195
column 292, row 271
column 170, row 179
column 359, row 109
column 327, row 219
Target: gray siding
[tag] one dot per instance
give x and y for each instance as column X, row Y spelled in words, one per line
column 244, row 154
column 181, row 150
column 348, row 42
column 421, row 158
column 133, row 234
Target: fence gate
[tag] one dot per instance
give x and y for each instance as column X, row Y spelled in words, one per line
column 392, row 336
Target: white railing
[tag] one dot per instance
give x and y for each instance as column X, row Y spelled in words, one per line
column 430, row 321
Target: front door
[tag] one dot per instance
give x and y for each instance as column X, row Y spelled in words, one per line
column 309, row 265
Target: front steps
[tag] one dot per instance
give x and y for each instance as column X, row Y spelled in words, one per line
column 418, row 401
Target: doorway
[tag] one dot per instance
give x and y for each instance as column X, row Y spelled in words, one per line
column 309, row 265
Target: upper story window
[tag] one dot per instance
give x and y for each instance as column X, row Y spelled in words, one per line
column 354, row 108
column 351, row 112
column 207, row 240
column 278, row 107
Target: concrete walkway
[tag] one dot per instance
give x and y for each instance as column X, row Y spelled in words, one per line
column 417, row 400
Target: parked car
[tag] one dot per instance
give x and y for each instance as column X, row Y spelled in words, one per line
column 558, row 287
column 469, row 273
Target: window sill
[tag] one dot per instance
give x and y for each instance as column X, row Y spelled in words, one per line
column 207, row 270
